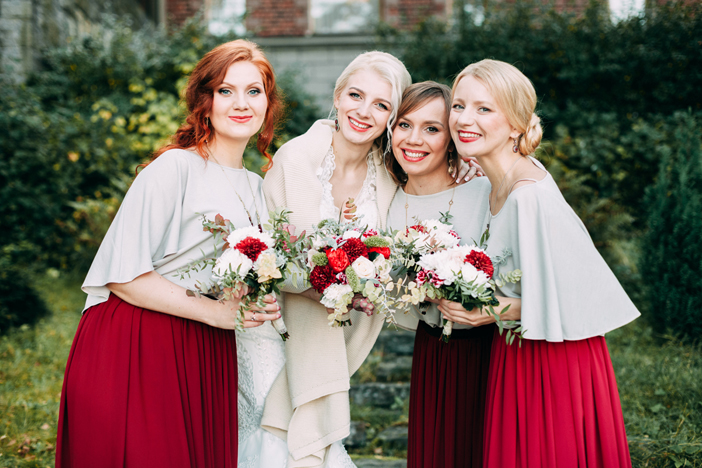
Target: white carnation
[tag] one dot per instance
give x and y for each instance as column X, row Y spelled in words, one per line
column 232, row 261
column 334, row 294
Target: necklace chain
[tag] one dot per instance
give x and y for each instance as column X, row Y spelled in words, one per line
column 258, row 217
column 450, row 204
column 497, row 192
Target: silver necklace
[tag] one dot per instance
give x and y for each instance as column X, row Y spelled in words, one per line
column 258, row 218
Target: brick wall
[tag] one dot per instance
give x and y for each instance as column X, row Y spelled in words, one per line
column 269, row 18
column 407, row 13
column 177, row 11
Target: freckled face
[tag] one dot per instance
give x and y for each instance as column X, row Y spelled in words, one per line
column 478, row 126
column 239, row 104
column 364, row 107
column 421, row 139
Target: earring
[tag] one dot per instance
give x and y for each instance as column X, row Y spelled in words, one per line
column 451, row 167
column 336, row 124
column 515, row 148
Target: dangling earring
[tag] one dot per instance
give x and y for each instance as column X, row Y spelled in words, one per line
column 515, row 148
column 336, row 124
column 451, row 165
column 207, row 124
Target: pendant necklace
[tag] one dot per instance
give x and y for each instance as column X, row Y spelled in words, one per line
column 258, row 218
column 450, row 204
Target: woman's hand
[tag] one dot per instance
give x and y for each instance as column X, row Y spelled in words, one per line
column 455, row 312
column 467, row 169
column 256, row 315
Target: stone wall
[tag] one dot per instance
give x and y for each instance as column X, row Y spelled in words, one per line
column 27, row 27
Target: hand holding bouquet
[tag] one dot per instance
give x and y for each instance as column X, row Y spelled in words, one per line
column 254, row 260
column 465, row 274
column 349, row 265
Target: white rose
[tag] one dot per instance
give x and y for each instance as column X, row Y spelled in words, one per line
column 383, row 267
column 232, row 260
column 364, row 268
column 470, row 273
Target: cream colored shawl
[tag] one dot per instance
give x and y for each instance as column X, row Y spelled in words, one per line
column 308, row 404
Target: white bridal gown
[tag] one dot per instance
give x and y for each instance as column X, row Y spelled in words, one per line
column 261, row 356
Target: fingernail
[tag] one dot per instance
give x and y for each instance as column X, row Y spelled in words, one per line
column 278, row 315
column 467, row 179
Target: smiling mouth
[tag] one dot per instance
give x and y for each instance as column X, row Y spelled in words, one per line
column 358, row 126
column 240, row 118
column 468, row 137
column 414, row 156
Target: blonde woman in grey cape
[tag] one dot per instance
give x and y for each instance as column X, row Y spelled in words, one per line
column 553, row 401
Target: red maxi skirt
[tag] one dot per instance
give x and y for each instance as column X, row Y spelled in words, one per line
column 554, row 405
column 146, row 389
column 447, row 397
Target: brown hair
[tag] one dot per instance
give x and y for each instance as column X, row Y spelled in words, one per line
column 515, row 95
column 199, row 94
column 414, row 97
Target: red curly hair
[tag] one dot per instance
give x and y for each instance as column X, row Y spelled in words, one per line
column 199, row 95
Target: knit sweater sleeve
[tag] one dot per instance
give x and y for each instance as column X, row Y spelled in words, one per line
column 274, row 191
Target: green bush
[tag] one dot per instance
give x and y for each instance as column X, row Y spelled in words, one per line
column 75, row 132
column 595, row 80
column 672, row 246
column 19, row 302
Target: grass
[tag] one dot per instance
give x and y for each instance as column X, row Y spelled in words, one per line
column 659, row 377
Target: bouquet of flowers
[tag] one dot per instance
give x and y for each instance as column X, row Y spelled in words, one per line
column 410, row 244
column 258, row 259
column 465, row 274
column 350, row 266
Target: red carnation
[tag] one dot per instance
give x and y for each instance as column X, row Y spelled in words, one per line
column 384, row 251
column 251, row 247
column 321, row 277
column 338, row 260
column 370, row 233
column 418, row 228
column 354, row 248
column 481, row 261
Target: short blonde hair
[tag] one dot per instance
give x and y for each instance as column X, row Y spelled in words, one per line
column 389, row 68
column 514, row 94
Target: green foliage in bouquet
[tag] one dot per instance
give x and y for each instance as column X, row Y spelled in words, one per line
column 672, row 246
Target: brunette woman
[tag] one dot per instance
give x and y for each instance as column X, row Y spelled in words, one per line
column 553, row 401
column 151, row 378
column 448, row 383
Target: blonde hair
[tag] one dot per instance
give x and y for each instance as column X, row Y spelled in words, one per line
column 391, row 69
column 514, row 94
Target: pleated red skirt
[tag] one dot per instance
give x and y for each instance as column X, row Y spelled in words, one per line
column 145, row 389
column 554, row 405
column 447, row 398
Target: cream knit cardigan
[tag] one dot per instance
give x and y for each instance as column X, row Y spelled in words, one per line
column 308, row 404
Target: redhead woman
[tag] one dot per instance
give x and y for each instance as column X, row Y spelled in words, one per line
column 151, row 377
column 553, row 401
column 449, row 380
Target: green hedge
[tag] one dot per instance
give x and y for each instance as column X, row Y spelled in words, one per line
column 671, row 259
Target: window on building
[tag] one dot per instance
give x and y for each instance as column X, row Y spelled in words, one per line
column 226, row 16
column 343, row 16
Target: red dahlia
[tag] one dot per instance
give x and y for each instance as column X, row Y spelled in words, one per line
column 321, row 277
column 481, row 261
column 354, row 248
column 251, row 247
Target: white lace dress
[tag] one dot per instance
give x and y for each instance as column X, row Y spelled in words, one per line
column 366, row 204
column 261, row 356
